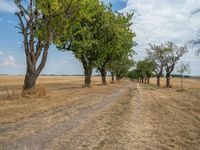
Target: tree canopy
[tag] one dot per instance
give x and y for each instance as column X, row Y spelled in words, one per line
column 99, row 39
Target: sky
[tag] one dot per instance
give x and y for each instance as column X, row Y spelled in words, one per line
column 154, row 21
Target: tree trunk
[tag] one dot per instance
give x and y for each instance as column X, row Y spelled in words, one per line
column 103, row 76
column 158, row 80
column 117, row 78
column 147, row 80
column 167, row 81
column 112, row 76
column 30, row 81
column 32, row 73
column 88, row 75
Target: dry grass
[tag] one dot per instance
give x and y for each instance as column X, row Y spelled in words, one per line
column 176, row 83
column 41, row 91
column 51, row 92
column 144, row 115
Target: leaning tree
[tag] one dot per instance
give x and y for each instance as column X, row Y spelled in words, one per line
column 37, row 23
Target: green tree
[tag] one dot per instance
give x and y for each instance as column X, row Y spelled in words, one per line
column 155, row 55
column 116, row 44
column 134, row 74
column 121, row 68
column 106, row 43
column 140, row 70
column 149, row 68
column 145, row 70
column 84, row 36
column 96, row 38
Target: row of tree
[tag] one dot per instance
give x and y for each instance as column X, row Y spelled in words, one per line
column 98, row 37
column 160, row 59
column 163, row 58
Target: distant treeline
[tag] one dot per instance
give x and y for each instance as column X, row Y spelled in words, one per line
column 49, row 75
column 173, row 75
column 185, row 76
column 61, row 75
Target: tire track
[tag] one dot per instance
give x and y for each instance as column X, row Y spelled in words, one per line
column 44, row 139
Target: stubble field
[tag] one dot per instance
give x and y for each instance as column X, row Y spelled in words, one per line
column 125, row 115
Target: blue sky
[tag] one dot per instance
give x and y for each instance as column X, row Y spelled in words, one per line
column 155, row 21
column 12, row 60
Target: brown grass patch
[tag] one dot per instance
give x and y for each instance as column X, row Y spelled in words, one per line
column 11, row 95
column 41, row 91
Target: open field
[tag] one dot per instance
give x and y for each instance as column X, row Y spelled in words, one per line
column 176, row 83
column 125, row 116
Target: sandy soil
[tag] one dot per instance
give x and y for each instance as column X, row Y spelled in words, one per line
column 122, row 116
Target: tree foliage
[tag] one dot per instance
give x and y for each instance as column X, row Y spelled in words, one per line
column 155, row 55
column 120, row 68
column 144, row 70
column 120, row 55
column 84, row 36
column 99, row 37
column 159, row 57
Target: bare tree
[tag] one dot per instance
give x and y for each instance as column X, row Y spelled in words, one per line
column 171, row 54
column 197, row 10
column 196, row 42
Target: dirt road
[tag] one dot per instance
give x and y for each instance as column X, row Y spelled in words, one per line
column 127, row 116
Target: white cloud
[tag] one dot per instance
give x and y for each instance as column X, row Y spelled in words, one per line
column 65, row 66
column 9, row 61
column 10, row 21
column 10, row 64
column 161, row 20
column 158, row 21
column 8, row 6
